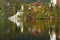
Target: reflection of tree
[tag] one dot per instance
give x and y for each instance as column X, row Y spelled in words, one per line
column 47, row 17
column 37, row 18
column 58, row 22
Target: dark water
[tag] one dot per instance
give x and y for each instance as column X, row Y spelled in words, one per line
column 10, row 31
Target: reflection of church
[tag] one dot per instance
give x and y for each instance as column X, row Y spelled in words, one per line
column 54, row 2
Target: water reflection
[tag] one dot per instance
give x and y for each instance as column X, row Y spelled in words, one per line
column 16, row 20
column 53, row 36
column 5, row 26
